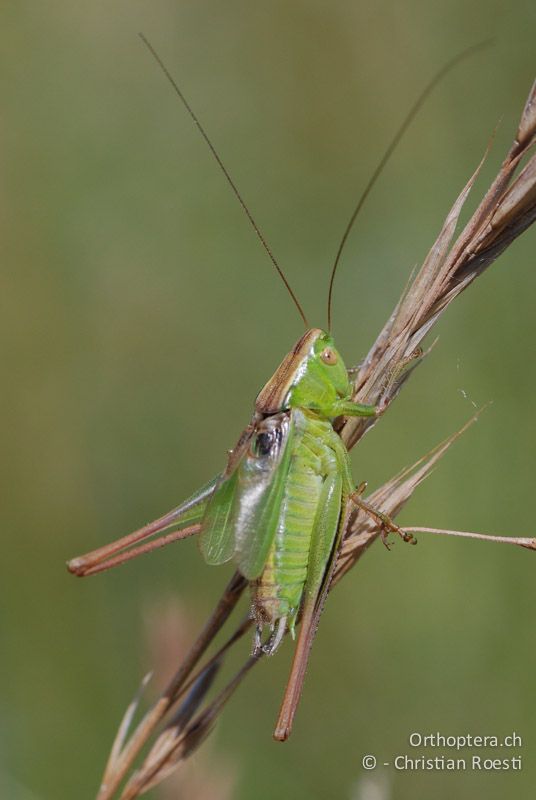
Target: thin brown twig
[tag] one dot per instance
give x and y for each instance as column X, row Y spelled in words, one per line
column 152, row 718
column 520, row 541
column 507, row 209
column 176, row 748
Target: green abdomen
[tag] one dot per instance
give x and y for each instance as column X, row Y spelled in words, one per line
column 278, row 591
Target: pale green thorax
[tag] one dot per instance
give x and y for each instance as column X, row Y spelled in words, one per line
column 313, row 376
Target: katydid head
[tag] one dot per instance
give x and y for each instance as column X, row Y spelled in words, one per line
column 312, row 375
column 328, row 363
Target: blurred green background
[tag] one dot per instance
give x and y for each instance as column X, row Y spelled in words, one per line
column 140, row 317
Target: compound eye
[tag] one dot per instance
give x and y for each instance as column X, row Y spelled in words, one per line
column 329, row 356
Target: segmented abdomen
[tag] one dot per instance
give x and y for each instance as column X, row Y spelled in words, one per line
column 278, row 591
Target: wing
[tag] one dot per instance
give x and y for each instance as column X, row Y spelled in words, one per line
column 262, row 476
column 216, row 539
column 242, row 516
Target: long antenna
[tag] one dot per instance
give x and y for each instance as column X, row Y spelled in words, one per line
column 388, row 153
column 225, row 172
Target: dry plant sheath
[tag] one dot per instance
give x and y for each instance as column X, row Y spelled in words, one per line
column 344, row 523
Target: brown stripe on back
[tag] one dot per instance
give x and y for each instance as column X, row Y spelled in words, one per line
column 271, row 398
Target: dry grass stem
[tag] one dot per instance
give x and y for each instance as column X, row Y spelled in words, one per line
column 506, row 210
